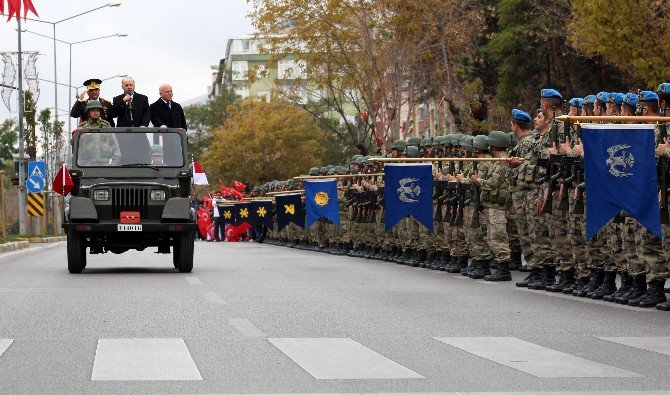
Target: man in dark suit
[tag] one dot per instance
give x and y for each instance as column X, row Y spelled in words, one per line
column 131, row 109
column 165, row 113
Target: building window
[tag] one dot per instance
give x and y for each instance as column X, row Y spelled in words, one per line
column 286, row 69
column 240, row 70
column 242, row 91
column 241, row 46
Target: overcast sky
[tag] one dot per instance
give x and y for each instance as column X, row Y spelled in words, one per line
column 169, row 41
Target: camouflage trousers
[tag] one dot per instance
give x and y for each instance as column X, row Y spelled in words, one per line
column 558, row 235
column 651, row 249
column 523, row 225
column 458, row 244
column 478, row 240
column 496, row 232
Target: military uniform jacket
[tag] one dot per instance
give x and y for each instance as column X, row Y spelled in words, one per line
column 97, row 149
column 79, row 110
column 494, row 185
column 522, row 176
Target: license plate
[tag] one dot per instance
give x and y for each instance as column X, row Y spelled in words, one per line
column 129, row 228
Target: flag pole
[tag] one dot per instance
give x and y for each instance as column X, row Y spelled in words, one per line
column 438, row 159
column 611, row 118
column 338, row 176
column 282, row 192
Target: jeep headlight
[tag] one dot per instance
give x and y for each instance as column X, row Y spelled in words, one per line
column 157, row 194
column 101, row 194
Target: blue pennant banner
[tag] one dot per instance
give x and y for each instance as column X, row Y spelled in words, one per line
column 289, row 209
column 620, row 175
column 408, row 192
column 261, row 213
column 321, row 201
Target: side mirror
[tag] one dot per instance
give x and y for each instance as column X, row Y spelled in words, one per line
column 76, row 180
column 184, row 179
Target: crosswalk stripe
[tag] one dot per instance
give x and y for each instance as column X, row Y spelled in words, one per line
column 4, row 345
column 193, row 280
column 533, row 359
column 213, row 298
column 340, row 358
column 656, row 344
column 246, row 327
column 148, row 359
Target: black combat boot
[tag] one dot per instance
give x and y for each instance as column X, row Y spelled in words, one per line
column 534, row 275
column 515, row 261
column 665, row 306
column 445, row 259
column 406, row 256
column 597, row 277
column 465, row 271
column 452, row 266
column 501, row 274
column 608, row 286
column 548, row 278
column 428, row 262
column 626, row 285
column 418, row 258
column 482, row 270
column 392, row 254
column 577, row 285
column 638, row 289
column 655, row 294
column 565, row 280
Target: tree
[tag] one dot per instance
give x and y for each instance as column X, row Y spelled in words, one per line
column 204, row 118
column 9, row 137
column 262, row 142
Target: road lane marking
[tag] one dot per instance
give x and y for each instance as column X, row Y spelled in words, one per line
column 533, row 359
column 4, row 345
column 340, row 358
column 143, row 359
column 656, row 344
column 193, row 280
column 245, row 327
column 487, row 282
column 587, row 300
column 213, row 298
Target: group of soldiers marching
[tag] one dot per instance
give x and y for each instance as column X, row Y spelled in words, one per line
column 489, row 214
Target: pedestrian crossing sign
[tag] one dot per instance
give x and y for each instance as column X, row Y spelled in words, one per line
column 37, row 169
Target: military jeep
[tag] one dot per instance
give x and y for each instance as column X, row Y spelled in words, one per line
column 131, row 191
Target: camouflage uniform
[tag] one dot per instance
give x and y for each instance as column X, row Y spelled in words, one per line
column 97, row 149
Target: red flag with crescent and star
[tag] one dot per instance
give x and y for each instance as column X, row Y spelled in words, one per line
column 14, row 8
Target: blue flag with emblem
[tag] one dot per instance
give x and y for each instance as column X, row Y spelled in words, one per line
column 408, row 192
column 261, row 213
column 289, row 209
column 620, row 175
column 321, row 201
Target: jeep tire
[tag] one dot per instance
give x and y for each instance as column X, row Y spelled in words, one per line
column 76, row 252
column 182, row 254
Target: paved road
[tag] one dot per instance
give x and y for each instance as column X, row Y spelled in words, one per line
column 256, row 318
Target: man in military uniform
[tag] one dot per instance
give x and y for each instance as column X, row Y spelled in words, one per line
column 93, row 90
column 97, row 149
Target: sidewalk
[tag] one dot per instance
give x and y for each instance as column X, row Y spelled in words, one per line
column 18, row 245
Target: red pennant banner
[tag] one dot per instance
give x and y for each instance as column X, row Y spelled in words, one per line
column 63, row 182
column 14, row 8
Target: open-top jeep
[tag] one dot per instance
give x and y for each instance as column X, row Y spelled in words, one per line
column 131, row 191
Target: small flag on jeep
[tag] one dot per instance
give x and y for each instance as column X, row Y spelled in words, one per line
column 63, row 182
column 199, row 176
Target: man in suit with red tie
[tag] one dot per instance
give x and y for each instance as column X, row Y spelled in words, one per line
column 131, row 109
column 165, row 113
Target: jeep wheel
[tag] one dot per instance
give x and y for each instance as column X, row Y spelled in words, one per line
column 76, row 252
column 182, row 255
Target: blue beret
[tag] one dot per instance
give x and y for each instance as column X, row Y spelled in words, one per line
column 647, row 96
column 519, row 115
column 602, row 96
column 664, row 88
column 615, row 98
column 539, row 110
column 630, row 99
column 590, row 99
column 549, row 93
column 576, row 102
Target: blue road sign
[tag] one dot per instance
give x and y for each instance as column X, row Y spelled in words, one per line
column 37, row 169
column 35, row 184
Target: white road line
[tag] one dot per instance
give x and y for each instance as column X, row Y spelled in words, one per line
column 193, row 280
column 213, row 298
column 487, row 282
column 656, row 344
column 4, row 345
column 532, row 358
column 587, row 300
column 245, row 327
column 340, row 358
column 143, row 359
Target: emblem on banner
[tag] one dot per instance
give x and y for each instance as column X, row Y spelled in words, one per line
column 321, row 198
column 408, row 190
column 620, row 164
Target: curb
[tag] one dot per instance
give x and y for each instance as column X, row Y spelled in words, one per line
column 15, row 245
column 47, row 239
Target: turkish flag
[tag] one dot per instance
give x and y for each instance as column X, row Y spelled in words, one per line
column 238, row 185
column 63, row 182
column 14, row 8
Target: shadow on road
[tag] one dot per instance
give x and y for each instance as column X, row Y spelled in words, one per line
column 131, row 270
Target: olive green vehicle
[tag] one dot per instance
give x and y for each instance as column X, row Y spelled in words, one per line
column 131, row 191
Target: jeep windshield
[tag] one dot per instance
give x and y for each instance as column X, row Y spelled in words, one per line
column 123, row 149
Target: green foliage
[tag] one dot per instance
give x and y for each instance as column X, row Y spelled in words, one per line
column 9, row 137
column 204, row 118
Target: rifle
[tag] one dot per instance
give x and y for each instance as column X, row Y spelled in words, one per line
column 476, row 195
column 438, row 195
column 567, row 177
column 554, row 170
column 578, row 172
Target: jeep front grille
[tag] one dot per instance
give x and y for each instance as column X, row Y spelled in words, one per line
column 130, row 199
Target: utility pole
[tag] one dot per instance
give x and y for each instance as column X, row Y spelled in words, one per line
column 22, row 170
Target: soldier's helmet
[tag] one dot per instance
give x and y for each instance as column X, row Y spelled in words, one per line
column 156, row 150
column 466, row 142
column 314, row 171
column 399, row 145
column 426, row 142
column 340, row 170
column 498, row 139
column 437, row 141
column 93, row 104
column 414, row 141
column 480, row 142
column 412, row 151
